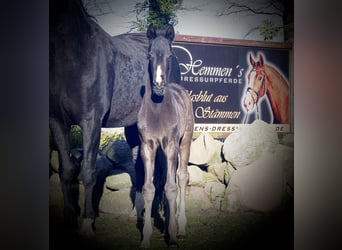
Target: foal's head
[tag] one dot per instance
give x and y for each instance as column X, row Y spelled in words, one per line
column 256, row 83
column 160, row 55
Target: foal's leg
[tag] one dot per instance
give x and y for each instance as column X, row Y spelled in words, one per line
column 140, row 176
column 183, row 179
column 67, row 173
column 148, row 154
column 171, row 152
column 91, row 130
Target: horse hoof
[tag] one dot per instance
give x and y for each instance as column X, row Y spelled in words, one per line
column 145, row 244
column 181, row 233
column 133, row 213
column 87, row 228
column 181, row 236
column 173, row 244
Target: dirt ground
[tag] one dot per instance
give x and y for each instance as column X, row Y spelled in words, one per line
column 204, row 231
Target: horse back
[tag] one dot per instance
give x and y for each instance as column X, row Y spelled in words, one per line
column 131, row 67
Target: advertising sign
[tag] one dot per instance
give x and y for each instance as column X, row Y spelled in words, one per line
column 233, row 85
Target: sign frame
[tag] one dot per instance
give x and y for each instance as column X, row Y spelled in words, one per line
column 202, row 40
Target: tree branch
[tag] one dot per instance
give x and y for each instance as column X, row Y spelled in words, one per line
column 236, row 8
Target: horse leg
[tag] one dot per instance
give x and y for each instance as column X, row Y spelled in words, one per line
column 183, row 179
column 91, row 130
column 171, row 152
column 140, row 173
column 67, row 173
column 148, row 154
column 133, row 140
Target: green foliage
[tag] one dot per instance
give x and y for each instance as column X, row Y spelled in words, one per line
column 157, row 12
column 268, row 30
column 76, row 137
column 106, row 137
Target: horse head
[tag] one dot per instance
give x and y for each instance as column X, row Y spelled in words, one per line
column 256, row 83
column 160, row 55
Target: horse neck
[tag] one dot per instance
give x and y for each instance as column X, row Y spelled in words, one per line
column 277, row 91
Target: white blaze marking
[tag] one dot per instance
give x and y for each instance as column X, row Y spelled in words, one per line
column 249, row 102
column 159, row 75
column 252, row 77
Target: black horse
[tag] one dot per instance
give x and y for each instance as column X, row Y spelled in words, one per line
column 95, row 81
column 165, row 123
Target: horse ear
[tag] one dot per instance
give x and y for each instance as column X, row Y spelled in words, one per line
column 251, row 60
column 170, row 33
column 151, row 32
column 261, row 60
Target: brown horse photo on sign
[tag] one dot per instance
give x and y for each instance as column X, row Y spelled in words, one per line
column 264, row 78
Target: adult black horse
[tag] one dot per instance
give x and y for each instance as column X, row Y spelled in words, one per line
column 95, row 81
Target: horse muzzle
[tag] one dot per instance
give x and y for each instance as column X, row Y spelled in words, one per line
column 248, row 102
column 158, row 89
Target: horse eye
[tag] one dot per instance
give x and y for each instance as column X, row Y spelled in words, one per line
column 260, row 78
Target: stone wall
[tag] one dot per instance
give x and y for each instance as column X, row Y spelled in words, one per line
column 251, row 170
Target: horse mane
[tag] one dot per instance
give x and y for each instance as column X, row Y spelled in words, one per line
column 71, row 17
column 279, row 80
column 71, row 25
column 277, row 75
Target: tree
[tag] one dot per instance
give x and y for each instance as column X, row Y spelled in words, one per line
column 98, row 7
column 157, row 12
column 268, row 29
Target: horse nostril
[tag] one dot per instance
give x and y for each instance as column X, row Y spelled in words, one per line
column 247, row 105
